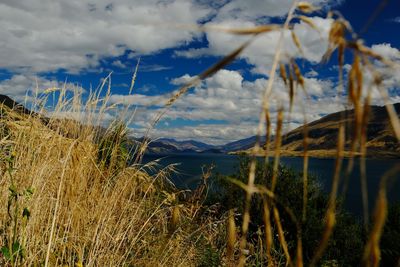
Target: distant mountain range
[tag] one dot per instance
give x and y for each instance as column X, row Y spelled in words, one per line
column 322, row 138
column 187, row 145
column 169, row 145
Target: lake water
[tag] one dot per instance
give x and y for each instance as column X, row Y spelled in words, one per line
column 190, row 173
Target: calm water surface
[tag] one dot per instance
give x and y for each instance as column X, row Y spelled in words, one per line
column 190, row 173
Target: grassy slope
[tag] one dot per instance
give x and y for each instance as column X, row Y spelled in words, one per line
column 322, row 135
column 82, row 210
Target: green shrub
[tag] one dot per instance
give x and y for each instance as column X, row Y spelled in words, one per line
column 210, row 257
column 390, row 242
column 289, row 191
column 112, row 151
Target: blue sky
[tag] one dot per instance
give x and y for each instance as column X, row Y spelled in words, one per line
column 45, row 43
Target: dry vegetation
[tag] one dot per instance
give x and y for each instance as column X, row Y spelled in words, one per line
column 68, row 201
column 69, row 198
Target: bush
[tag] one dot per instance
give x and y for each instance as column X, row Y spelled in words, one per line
column 112, row 152
column 390, row 242
column 289, row 191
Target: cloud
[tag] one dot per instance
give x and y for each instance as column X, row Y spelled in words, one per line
column 48, row 36
column 261, row 52
column 193, row 52
column 139, row 100
column 182, row 80
column 124, row 85
column 396, row 19
column 45, row 35
column 153, row 67
column 20, row 85
column 104, row 119
column 311, row 73
column 146, row 88
column 390, row 74
column 208, row 133
column 386, row 50
column 261, row 9
column 42, row 36
column 118, row 64
column 230, row 99
column 235, row 103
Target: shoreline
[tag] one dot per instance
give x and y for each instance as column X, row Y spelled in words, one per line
column 329, row 154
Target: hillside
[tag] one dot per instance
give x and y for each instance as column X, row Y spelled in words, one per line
column 241, row 144
column 322, row 135
column 186, row 145
column 10, row 103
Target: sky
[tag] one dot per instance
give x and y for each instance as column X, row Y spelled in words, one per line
column 77, row 43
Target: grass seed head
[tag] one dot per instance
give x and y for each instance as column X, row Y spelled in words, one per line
column 306, row 7
column 282, row 70
column 231, row 235
column 296, row 41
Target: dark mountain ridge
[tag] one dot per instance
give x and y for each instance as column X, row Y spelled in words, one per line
column 10, row 103
column 186, row 144
column 322, row 135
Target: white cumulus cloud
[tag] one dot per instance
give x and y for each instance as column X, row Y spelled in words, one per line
column 46, row 35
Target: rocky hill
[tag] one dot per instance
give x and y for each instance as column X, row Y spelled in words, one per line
column 322, row 135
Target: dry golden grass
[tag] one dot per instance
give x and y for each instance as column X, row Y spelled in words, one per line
column 61, row 206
